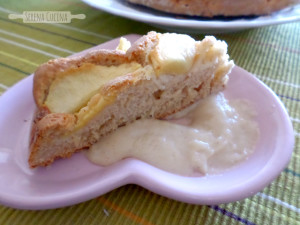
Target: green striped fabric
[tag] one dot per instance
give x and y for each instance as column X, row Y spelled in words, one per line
column 271, row 53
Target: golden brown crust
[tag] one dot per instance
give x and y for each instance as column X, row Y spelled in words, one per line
column 211, row 8
column 142, row 47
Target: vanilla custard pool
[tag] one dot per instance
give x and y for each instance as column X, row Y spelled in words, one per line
column 210, row 137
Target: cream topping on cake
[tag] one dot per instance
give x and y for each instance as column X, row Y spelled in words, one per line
column 72, row 90
column 174, row 54
column 124, row 44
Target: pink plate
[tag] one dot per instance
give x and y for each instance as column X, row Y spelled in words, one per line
column 74, row 180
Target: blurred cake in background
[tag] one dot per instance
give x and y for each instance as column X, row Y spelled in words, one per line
column 210, row 8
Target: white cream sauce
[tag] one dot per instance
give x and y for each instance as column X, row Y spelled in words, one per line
column 209, row 138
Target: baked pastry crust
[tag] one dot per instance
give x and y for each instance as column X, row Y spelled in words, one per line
column 132, row 96
column 210, row 8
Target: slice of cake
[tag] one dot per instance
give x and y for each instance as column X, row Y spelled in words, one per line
column 81, row 99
